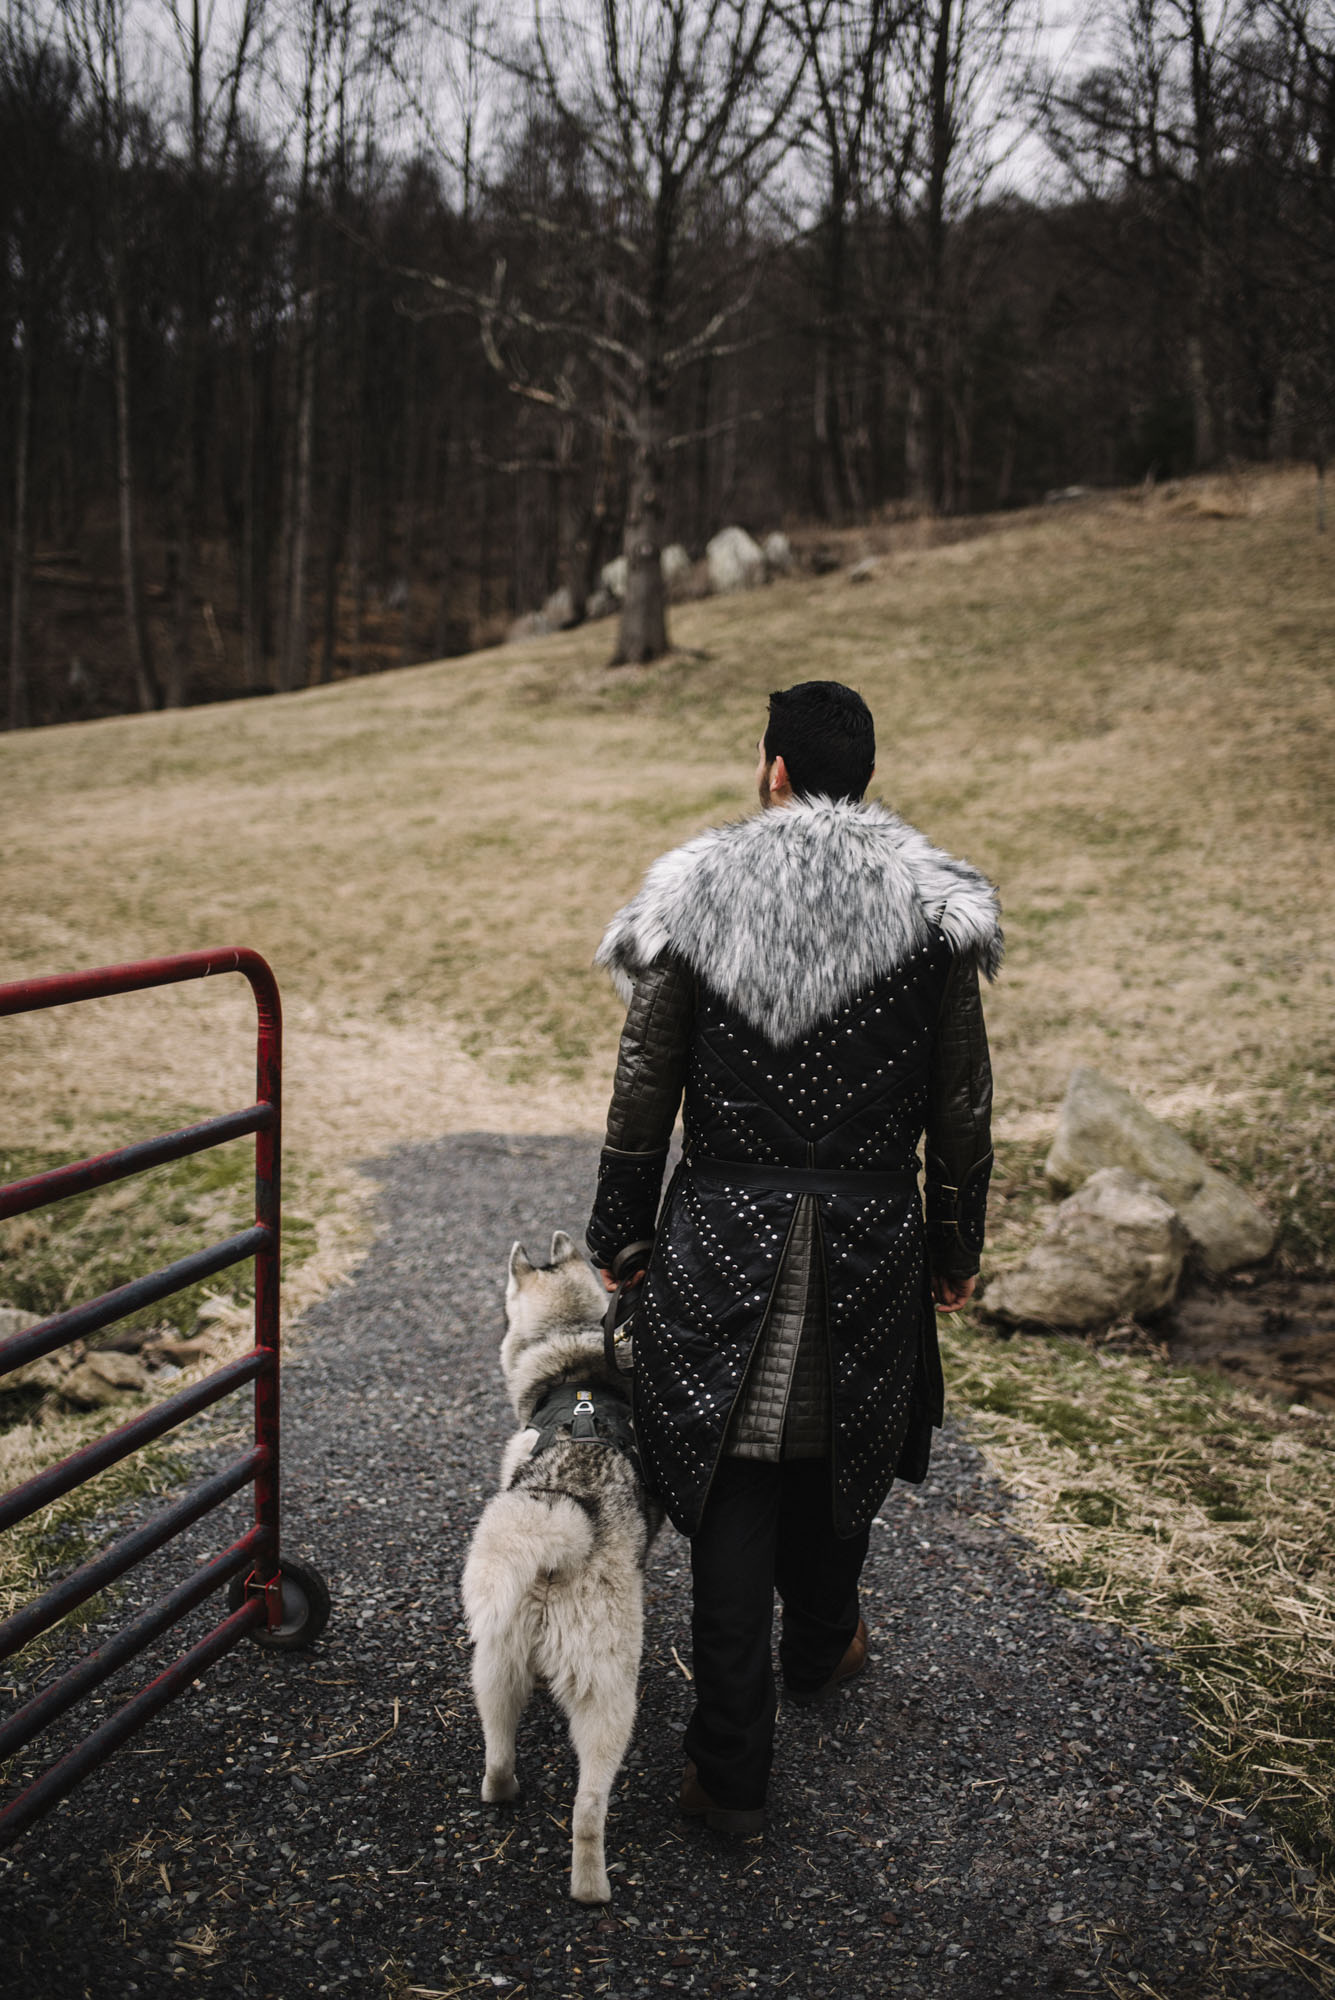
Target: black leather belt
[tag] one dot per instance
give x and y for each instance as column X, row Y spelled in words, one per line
column 802, row 1180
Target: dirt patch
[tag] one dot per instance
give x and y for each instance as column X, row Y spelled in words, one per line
column 1268, row 1332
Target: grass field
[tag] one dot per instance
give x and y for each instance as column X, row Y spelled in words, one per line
column 1124, row 712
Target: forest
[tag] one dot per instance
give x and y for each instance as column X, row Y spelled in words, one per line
column 337, row 333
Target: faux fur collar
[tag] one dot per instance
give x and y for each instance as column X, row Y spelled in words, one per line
column 791, row 912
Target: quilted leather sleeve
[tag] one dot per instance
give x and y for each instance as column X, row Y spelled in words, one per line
column 650, row 1077
column 959, row 1128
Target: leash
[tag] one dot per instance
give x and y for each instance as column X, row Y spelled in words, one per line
column 625, row 1264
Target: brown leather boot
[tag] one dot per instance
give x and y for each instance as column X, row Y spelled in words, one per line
column 696, row 1803
column 854, row 1660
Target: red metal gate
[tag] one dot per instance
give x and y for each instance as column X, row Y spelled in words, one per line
column 285, row 1603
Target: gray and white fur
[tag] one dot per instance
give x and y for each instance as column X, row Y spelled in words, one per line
column 791, row 912
column 553, row 1584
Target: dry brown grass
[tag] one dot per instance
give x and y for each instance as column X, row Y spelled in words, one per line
column 1123, row 711
column 1202, row 1518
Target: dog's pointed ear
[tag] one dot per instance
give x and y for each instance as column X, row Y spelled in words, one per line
column 563, row 1249
column 521, row 1266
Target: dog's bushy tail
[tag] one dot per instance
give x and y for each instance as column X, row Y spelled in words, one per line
column 522, row 1545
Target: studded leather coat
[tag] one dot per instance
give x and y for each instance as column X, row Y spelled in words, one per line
column 830, row 1118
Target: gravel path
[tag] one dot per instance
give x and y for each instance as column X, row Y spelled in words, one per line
column 996, row 1807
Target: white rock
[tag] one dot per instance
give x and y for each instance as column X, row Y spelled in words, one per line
column 779, row 554
column 558, row 613
column 735, row 562
column 13, row 1320
column 864, row 571
column 44, row 1374
column 601, row 605
column 1102, row 1125
column 612, row 576
column 1110, row 1252
column 675, row 563
column 101, row 1377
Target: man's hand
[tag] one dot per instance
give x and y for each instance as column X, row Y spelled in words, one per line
column 610, row 1283
column 951, row 1293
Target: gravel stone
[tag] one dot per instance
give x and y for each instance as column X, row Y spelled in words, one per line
column 997, row 1804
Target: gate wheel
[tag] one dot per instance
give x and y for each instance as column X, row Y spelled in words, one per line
column 305, row 1607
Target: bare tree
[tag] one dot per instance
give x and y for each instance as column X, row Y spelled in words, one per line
column 96, row 32
column 39, row 113
column 941, row 129
column 215, row 62
column 679, row 111
column 326, row 33
column 850, row 46
column 1152, row 118
column 1283, row 105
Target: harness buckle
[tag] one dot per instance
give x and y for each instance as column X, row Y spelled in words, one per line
column 583, row 1429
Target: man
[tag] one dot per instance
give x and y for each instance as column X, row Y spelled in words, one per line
column 808, row 977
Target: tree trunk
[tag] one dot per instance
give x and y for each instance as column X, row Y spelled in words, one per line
column 194, row 239
column 920, row 452
column 147, row 688
column 408, row 541
column 322, row 667
column 183, row 524
column 484, row 542
column 703, row 388
column 838, row 485
column 248, row 583
column 445, row 627
column 20, row 707
column 1204, row 107
column 593, row 535
column 356, row 553
column 287, row 495
column 824, row 419
column 877, row 480
column 643, row 635
column 356, row 559
column 1204, row 447
column 293, row 666
column 571, row 525
column 925, row 443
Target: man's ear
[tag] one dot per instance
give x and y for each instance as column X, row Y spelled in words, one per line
column 779, row 781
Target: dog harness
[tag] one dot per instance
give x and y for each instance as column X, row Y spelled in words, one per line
column 597, row 1415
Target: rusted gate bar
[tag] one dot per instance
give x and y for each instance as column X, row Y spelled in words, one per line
column 272, row 1598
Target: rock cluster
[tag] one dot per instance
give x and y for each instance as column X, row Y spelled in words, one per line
column 1102, row 1125
column 77, row 1377
column 80, row 1377
column 733, row 561
column 1143, row 1202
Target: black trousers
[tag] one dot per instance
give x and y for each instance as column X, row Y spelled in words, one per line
column 765, row 1527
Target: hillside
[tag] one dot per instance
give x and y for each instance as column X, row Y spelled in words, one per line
column 1124, row 711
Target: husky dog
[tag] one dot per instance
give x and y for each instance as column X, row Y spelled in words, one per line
column 553, row 1585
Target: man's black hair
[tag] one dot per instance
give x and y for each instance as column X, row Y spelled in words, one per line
column 826, row 737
